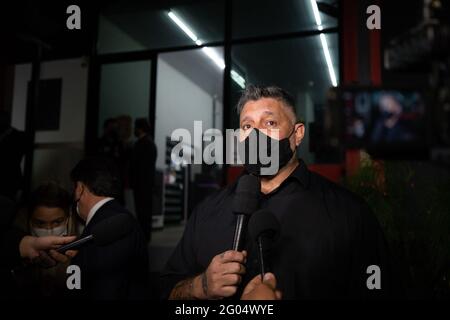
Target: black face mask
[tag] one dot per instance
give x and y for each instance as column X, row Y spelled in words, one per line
column 282, row 150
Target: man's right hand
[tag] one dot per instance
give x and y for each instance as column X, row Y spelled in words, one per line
column 32, row 247
column 222, row 277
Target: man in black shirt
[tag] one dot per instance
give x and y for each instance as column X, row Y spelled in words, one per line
column 328, row 239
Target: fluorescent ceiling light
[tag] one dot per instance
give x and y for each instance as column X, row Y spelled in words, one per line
column 326, row 53
column 323, row 40
column 209, row 52
column 238, row 79
column 212, row 54
column 182, row 26
column 316, row 12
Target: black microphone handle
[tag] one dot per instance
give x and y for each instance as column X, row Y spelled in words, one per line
column 239, row 232
column 75, row 244
column 261, row 257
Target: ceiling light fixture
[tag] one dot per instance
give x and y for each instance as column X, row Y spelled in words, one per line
column 323, row 40
column 209, row 52
column 183, row 26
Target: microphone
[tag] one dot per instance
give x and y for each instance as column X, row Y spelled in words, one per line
column 264, row 229
column 103, row 233
column 245, row 202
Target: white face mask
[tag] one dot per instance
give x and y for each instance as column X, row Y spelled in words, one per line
column 78, row 208
column 42, row 232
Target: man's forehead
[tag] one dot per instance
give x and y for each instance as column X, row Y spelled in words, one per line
column 265, row 106
column 261, row 105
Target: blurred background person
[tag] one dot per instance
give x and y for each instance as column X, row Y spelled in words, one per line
column 108, row 144
column 142, row 175
column 388, row 127
column 48, row 214
column 124, row 130
column 12, row 150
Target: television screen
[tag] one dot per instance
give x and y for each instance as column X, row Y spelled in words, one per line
column 385, row 122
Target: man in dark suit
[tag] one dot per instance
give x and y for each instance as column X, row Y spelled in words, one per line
column 143, row 174
column 118, row 270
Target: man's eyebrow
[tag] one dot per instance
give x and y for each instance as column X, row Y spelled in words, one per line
column 246, row 118
column 267, row 113
column 270, row 113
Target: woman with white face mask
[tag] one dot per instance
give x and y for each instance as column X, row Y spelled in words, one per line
column 47, row 221
column 49, row 213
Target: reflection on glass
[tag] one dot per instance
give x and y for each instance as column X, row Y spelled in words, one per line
column 124, row 90
column 254, row 18
column 130, row 26
column 209, row 52
column 190, row 85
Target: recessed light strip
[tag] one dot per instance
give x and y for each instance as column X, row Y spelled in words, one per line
column 209, row 52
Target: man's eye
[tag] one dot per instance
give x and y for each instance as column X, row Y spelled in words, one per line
column 271, row 123
column 246, row 127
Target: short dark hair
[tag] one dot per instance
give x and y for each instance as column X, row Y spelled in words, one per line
column 142, row 124
column 52, row 195
column 254, row 92
column 100, row 175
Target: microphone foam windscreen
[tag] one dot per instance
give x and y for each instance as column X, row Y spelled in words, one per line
column 112, row 229
column 246, row 195
column 264, row 223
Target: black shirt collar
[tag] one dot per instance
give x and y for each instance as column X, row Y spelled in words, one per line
column 301, row 174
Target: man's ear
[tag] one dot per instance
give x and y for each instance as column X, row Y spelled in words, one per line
column 299, row 133
column 79, row 188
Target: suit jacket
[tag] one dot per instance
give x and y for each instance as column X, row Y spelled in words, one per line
column 115, row 271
